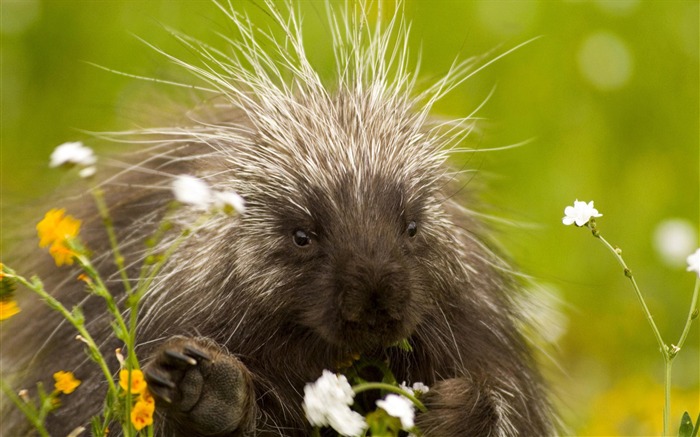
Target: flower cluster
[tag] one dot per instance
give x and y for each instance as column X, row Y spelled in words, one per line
column 327, row 403
column 144, row 405
column 66, row 382
column 580, row 214
column 55, row 230
column 74, row 153
column 194, row 191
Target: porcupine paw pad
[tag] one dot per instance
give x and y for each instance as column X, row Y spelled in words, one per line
column 199, row 385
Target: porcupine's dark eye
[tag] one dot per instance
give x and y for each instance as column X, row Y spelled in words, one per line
column 301, row 238
column 411, row 229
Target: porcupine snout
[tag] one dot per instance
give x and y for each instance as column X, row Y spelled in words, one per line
column 371, row 288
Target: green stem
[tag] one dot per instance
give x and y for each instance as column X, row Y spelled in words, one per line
column 667, row 396
column 37, row 287
column 392, row 388
column 28, row 410
column 693, row 308
column 98, row 195
column 100, row 289
column 628, row 273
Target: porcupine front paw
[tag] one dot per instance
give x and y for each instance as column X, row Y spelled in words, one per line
column 457, row 407
column 200, row 388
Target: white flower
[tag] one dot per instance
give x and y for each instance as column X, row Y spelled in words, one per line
column 192, row 191
column 229, row 199
column 581, row 213
column 398, row 406
column 417, row 387
column 72, row 153
column 694, row 262
column 327, row 403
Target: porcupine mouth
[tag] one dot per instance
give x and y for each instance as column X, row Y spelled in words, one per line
column 362, row 337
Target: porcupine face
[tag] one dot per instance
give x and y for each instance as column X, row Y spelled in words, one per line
column 361, row 281
column 351, row 234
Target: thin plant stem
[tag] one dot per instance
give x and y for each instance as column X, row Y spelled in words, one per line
column 38, row 288
column 392, row 388
column 637, row 291
column 692, row 314
column 667, row 394
column 28, row 410
column 98, row 195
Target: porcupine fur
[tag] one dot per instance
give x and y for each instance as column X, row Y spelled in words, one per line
column 352, row 164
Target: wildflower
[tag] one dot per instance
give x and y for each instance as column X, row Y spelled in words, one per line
column 138, row 383
column 192, row 191
column 580, row 214
column 66, row 382
column 74, row 153
column 694, row 262
column 327, row 401
column 142, row 414
column 417, row 387
column 146, row 397
column 54, row 230
column 400, row 407
column 8, row 308
column 229, row 201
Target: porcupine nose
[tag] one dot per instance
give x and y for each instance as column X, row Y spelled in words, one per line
column 371, row 290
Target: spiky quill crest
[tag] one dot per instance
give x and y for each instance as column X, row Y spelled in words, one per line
column 336, row 159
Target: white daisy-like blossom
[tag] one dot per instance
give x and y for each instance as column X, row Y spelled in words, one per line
column 580, row 214
column 229, row 199
column 417, row 387
column 400, row 407
column 192, row 191
column 72, row 153
column 327, row 403
column 694, row 262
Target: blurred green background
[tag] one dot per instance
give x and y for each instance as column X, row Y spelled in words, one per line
column 608, row 96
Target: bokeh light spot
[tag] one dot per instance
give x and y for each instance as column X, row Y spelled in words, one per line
column 605, row 61
column 674, row 240
column 507, row 18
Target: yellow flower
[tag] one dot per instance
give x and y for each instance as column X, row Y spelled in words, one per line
column 142, row 414
column 147, row 397
column 138, row 383
column 54, row 230
column 8, row 308
column 7, row 284
column 65, row 382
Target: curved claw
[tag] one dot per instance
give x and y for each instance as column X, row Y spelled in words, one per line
column 196, row 353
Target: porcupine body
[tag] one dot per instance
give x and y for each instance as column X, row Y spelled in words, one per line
column 350, row 242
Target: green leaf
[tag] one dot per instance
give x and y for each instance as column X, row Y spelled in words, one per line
column 697, row 427
column 404, row 345
column 686, row 428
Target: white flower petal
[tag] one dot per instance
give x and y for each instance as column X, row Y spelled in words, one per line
column 192, row 191
column 72, row 153
column 694, row 262
column 580, row 214
column 229, row 199
column 327, row 403
column 398, row 406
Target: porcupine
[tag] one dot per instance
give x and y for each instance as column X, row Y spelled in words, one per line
column 351, row 241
